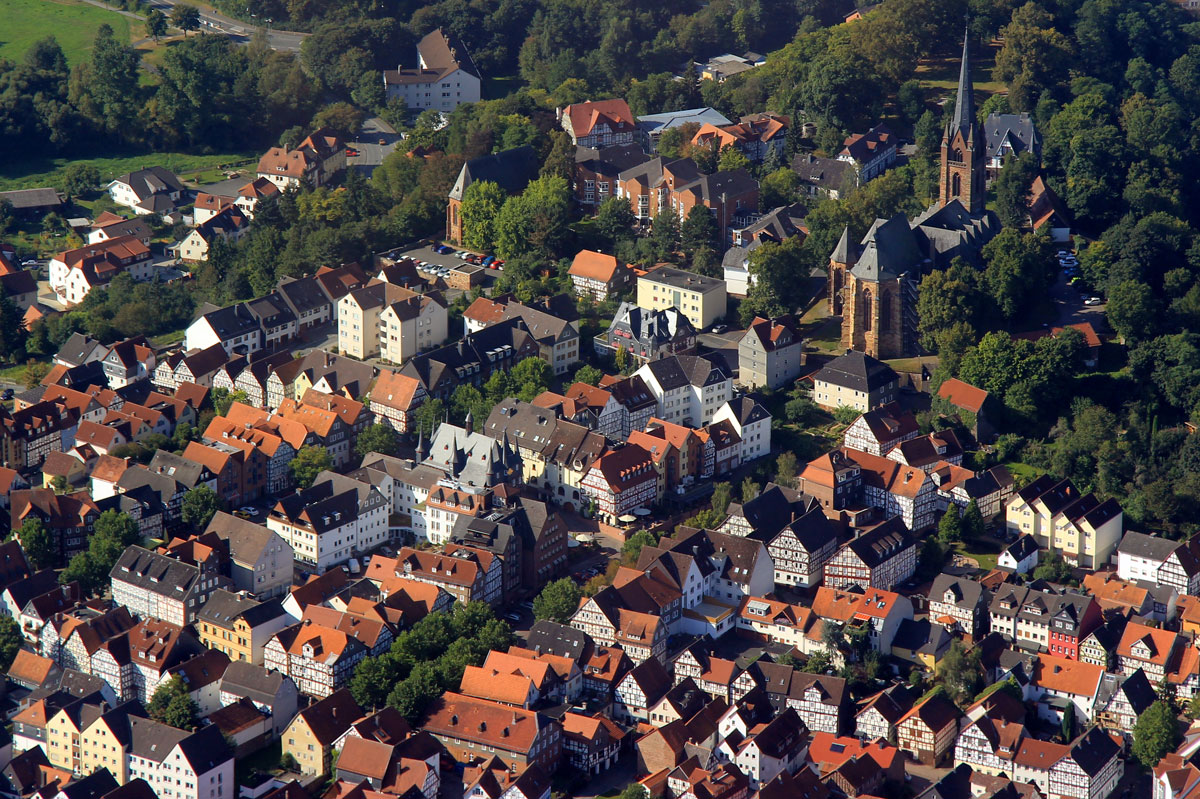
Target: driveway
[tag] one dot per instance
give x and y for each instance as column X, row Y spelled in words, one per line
column 1068, row 301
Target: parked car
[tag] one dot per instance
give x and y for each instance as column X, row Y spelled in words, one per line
column 720, row 328
column 1093, row 301
column 489, row 260
column 8, row 394
column 513, row 616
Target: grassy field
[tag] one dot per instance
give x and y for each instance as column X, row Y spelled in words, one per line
column 73, row 23
column 34, row 172
column 942, row 73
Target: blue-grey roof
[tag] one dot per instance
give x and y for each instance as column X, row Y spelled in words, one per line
column 654, row 124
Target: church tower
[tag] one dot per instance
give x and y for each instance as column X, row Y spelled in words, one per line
column 964, row 147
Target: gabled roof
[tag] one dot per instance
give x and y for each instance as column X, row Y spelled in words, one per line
column 857, row 371
column 511, row 170
column 584, row 117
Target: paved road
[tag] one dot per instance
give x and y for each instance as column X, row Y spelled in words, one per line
column 213, row 22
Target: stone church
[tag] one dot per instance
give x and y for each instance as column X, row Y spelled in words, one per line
column 873, row 286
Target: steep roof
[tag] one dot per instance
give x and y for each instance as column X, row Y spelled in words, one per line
column 857, row 371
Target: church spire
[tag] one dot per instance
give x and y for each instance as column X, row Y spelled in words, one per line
column 964, row 104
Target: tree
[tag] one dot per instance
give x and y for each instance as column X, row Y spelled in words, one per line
column 1012, row 190
column 973, row 527
column 750, row 489
column 37, row 542
column 10, row 641
column 588, row 374
column 615, row 219
column 223, row 398
column 156, row 24
column 80, row 178
column 173, row 705
column 1155, row 733
column 532, row 376
column 429, row 415
column 308, row 463
column 631, row 550
column 786, row 468
column 379, row 438
column 558, row 601
column 698, row 230
column 732, row 158
column 1052, row 568
column 950, row 526
column 1133, row 311
column 721, row 497
column 633, row 791
column 185, row 17
column 933, row 556
column 12, row 331
column 1067, row 729
column 960, row 673
column 535, row 221
column 481, row 203
column 199, row 506
column 832, row 637
column 35, row 371
column 374, row 678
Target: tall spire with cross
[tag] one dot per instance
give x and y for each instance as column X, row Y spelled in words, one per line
column 964, row 104
column 964, row 148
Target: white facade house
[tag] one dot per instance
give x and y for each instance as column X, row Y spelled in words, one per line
column 233, row 327
column 334, row 520
column 688, row 389
column 197, row 766
column 752, row 422
column 444, row 79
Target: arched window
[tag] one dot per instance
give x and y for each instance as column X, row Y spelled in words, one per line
column 868, row 311
column 957, row 155
column 956, row 185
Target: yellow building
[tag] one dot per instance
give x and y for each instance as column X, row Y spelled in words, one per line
column 105, row 742
column 701, row 299
column 1080, row 528
column 310, row 737
column 238, row 625
column 63, row 732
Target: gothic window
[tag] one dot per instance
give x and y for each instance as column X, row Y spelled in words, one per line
column 956, row 185
column 868, row 311
column 957, row 155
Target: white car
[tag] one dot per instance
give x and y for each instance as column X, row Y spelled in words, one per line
column 1065, row 254
column 1093, row 301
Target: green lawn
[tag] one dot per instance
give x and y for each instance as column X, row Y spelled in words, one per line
column 73, row 23
column 34, row 172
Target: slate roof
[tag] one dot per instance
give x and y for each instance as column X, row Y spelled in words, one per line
column 1150, row 547
column 511, row 170
column 824, row 173
column 1017, row 130
column 155, row 573
column 256, row 683
column 857, row 371
column 148, row 182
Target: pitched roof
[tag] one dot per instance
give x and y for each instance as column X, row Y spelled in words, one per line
column 857, row 371
column 963, row 395
column 594, row 266
column 585, row 116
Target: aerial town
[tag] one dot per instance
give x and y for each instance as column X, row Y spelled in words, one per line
column 755, row 399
